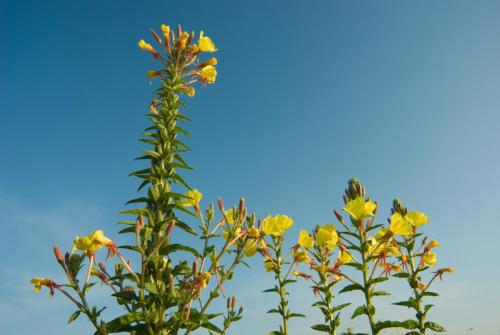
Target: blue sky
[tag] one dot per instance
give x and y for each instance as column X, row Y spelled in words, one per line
column 404, row 95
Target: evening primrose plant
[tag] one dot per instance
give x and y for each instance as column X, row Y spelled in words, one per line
column 161, row 286
column 173, row 285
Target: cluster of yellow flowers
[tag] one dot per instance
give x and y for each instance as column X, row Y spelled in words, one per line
column 183, row 51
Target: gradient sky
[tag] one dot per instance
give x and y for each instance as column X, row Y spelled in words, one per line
column 403, row 94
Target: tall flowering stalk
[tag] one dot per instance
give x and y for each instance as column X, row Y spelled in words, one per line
column 417, row 257
column 173, row 287
column 273, row 229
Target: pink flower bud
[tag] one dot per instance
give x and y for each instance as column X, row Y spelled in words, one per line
column 59, row 255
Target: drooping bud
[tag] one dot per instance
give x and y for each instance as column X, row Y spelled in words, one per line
column 59, row 255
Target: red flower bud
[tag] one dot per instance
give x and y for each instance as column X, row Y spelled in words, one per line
column 59, row 255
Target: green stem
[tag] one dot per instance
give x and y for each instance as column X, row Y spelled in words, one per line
column 366, row 285
column 281, row 288
column 418, row 298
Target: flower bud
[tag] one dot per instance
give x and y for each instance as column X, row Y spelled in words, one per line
column 102, row 267
column 155, row 36
column 242, row 205
column 338, row 215
column 170, row 228
column 221, row 204
column 58, row 254
column 233, row 302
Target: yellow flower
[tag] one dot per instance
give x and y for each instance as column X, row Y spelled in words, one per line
column 344, row 258
column 166, row 31
column 276, row 225
column 250, row 248
column 359, row 208
column 211, row 61
column 39, row 282
column 206, row 44
column 417, row 219
column 145, row 46
column 400, row 225
column 327, row 237
column 208, row 74
column 93, row 242
column 300, row 256
column 268, row 264
column 253, row 232
column 321, row 269
column 205, row 278
column 429, row 258
column 183, row 39
column 305, row 240
column 192, row 199
column 229, row 233
column 229, row 215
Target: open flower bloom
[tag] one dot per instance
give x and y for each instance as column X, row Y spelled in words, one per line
column 204, row 279
column 230, row 233
column 93, row 242
column 208, row 74
column 229, row 215
column 399, row 225
column 205, row 43
column 327, row 237
column 344, row 258
column 305, row 240
column 277, row 225
column 429, row 258
column 417, row 219
column 250, row 248
column 192, row 198
column 38, row 282
column 360, row 208
column 406, row 225
column 268, row 264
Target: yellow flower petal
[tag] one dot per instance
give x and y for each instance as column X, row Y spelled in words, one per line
column 327, row 237
column 305, row 240
column 417, row 218
column 359, row 208
column 400, row 226
column 208, row 74
column 205, row 43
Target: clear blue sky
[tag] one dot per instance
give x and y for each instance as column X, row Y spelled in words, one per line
column 403, row 94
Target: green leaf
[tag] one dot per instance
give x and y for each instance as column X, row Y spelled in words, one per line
column 410, row 304
column 352, row 287
column 434, row 326
column 380, row 293
column 151, row 287
column 321, row 328
column 427, row 307
column 295, row 315
column 407, row 324
column 212, row 327
column 74, row 316
column 273, row 310
column 136, row 211
column 120, row 323
column 360, row 310
column 429, row 294
column 401, row 275
column 376, row 280
column 340, row 307
column 170, row 248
